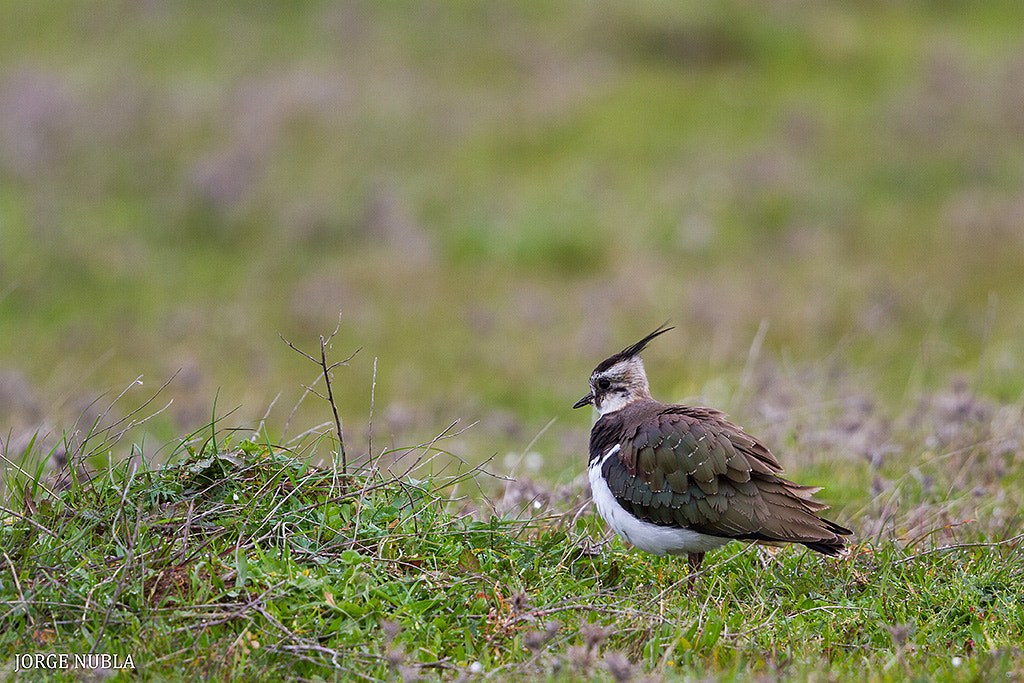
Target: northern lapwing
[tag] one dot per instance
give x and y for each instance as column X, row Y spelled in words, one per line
column 675, row 479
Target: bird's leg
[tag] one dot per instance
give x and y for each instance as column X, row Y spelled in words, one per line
column 766, row 554
column 695, row 561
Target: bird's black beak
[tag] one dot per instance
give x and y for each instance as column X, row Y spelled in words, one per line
column 586, row 400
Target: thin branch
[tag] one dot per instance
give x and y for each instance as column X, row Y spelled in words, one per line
column 960, row 546
column 369, row 429
column 330, row 397
column 21, row 594
column 261, row 426
column 325, row 370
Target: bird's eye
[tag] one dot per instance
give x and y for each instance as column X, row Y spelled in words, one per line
column 603, row 383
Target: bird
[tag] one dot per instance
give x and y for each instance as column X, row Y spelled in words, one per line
column 684, row 480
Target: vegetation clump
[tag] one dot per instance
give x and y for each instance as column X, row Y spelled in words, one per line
column 243, row 559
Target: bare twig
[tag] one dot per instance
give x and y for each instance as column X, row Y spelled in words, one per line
column 295, row 409
column 29, row 520
column 18, row 467
column 17, row 585
column 112, row 433
column 428, row 447
column 960, row 546
column 325, row 369
column 913, row 543
column 262, row 425
column 369, row 429
column 330, row 399
column 526, row 451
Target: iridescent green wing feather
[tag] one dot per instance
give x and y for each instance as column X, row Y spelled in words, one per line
column 691, row 468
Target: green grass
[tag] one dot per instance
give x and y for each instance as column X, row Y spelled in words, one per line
column 242, row 559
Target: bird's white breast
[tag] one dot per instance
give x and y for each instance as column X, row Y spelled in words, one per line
column 651, row 538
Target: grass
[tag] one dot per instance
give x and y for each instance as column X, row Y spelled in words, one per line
column 239, row 558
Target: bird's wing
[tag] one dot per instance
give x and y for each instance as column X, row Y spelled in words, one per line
column 692, row 468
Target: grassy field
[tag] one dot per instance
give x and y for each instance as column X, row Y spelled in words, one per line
column 240, row 560
column 826, row 200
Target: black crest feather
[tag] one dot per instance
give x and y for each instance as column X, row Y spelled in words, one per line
column 633, row 350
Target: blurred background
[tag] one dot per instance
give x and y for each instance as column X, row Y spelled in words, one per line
column 826, row 200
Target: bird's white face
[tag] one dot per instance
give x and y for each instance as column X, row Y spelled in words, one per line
column 618, row 386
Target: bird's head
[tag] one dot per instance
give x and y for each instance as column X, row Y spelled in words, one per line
column 620, row 380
